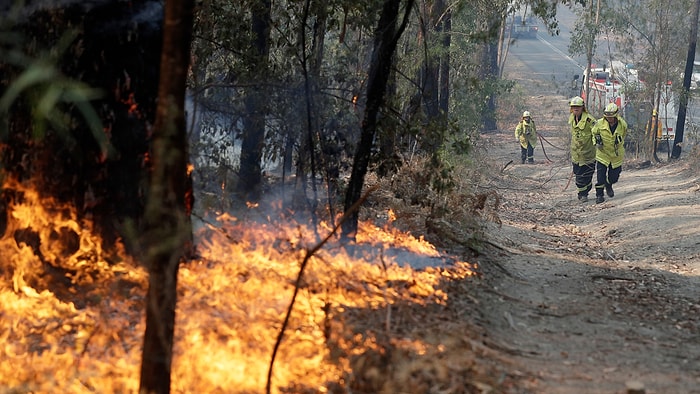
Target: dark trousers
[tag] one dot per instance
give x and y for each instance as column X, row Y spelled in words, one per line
column 527, row 153
column 607, row 176
column 584, row 178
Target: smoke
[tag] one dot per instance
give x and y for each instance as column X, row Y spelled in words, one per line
column 116, row 16
column 145, row 13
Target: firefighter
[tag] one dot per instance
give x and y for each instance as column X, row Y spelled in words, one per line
column 609, row 137
column 655, row 124
column 526, row 133
column 582, row 147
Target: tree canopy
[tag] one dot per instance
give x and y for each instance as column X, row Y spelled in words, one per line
column 289, row 103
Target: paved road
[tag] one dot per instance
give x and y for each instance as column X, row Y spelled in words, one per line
column 548, row 55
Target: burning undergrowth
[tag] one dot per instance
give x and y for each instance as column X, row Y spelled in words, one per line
column 71, row 311
column 453, row 219
column 365, row 319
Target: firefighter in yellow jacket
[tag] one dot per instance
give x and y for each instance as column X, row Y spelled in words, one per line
column 582, row 148
column 609, row 136
column 526, row 133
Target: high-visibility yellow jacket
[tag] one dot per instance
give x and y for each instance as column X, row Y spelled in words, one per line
column 613, row 150
column 582, row 146
column 526, row 132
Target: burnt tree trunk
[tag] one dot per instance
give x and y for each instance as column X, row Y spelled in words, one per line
column 431, row 70
column 386, row 37
column 434, row 84
column 167, row 225
column 683, row 105
column 444, row 103
column 489, row 71
column 250, row 176
column 388, row 160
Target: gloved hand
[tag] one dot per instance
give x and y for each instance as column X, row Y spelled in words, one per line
column 598, row 140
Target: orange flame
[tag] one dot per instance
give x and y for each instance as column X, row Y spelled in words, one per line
column 71, row 311
column 132, row 105
column 71, row 319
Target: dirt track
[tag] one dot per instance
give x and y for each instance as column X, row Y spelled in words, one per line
column 594, row 298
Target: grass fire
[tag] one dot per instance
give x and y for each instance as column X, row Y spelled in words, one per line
column 120, row 119
column 72, row 313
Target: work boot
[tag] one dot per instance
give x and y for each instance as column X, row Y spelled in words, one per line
column 599, row 199
column 523, row 162
column 583, row 198
column 609, row 190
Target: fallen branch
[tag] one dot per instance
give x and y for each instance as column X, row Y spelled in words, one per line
column 611, row 277
column 506, row 166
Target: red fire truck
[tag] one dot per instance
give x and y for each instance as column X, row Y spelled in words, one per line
column 620, row 84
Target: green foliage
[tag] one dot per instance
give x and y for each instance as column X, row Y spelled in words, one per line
column 439, row 166
column 584, row 34
column 50, row 95
column 546, row 10
column 328, row 105
column 651, row 34
column 224, row 74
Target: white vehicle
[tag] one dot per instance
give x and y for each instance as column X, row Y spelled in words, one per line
column 695, row 76
column 524, row 27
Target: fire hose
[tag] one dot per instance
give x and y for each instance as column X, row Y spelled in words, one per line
column 543, row 150
column 545, row 155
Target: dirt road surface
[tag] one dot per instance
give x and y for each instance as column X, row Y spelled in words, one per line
column 586, row 297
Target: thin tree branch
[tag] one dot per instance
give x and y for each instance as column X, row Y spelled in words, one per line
column 307, row 257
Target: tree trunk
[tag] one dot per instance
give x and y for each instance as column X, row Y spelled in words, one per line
column 167, row 226
column 385, row 39
column 590, row 46
column 444, row 103
column 389, row 160
column 489, row 71
column 431, row 68
column 683, row 105
column 250, row 176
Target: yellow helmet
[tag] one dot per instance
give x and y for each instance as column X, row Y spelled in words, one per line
column 576, row 102
column 611, row 110
column 526, row 114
